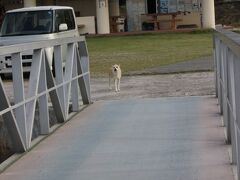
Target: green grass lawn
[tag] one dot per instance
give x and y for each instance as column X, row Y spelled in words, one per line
column 138, row 52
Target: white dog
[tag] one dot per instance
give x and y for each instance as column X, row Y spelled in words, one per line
column 115, row 73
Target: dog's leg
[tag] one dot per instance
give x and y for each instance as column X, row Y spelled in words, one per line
column 116, row 85
column 119, row 84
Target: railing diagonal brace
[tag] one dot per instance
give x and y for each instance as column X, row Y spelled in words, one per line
column 10, row 122
column 54, row 95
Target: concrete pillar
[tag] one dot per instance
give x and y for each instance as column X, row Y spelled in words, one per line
column 114, row 8
column 102, row 12
column 208, row 14
column 29, row 3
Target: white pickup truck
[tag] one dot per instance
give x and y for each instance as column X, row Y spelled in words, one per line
column 35, row 24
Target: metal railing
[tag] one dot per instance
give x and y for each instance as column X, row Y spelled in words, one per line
column 227, row 68
column 62, row 93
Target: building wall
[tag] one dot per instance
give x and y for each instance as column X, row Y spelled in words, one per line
column 83, row 7
column 134, row 10
column 8, row 5
column 45, row 2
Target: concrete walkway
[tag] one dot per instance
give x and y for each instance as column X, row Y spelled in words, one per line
column 136, row 139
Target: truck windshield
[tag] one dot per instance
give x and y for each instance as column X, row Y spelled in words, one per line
column 27, row 23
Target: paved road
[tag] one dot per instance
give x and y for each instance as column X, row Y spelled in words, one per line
column 194, row 65
column 138, row 139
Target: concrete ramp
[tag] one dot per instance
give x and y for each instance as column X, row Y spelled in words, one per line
column 137, row 139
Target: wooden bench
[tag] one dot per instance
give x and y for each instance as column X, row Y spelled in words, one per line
column 184, row 26
column 157, row 23
column 154, row 19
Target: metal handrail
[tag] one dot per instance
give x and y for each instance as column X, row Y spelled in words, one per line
column 38, row 45
column 227, row 72
column 65, row 88
column 231, row 39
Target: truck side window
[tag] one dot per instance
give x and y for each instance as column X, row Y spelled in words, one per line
column 59, row 19
column 27, row 23
column 64, row 17
column 69, row 19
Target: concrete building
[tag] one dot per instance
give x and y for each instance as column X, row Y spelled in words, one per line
column 105, row 16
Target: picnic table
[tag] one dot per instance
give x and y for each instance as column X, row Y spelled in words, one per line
column 156, row 21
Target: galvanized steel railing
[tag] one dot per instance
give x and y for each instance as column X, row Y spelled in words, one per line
column 66, row 89
column 227, row 65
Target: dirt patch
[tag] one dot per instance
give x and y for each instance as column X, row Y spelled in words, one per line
column 152, row 86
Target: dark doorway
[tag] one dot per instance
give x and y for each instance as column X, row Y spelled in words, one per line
column 122, row 2
column 151, row 6
column 122, row 6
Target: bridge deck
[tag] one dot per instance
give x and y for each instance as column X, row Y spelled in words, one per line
column 142, row 139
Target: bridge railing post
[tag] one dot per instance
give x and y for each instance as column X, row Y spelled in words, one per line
column 227, row 65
